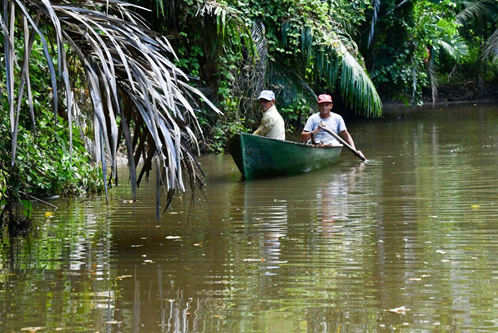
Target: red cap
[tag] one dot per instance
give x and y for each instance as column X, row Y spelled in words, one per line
column 324, row 98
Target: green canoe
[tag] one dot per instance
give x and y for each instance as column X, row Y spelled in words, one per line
column 259, row 157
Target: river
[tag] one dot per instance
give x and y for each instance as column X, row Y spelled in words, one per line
column 404, row 242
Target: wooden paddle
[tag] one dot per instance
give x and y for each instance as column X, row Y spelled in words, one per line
column 341, row 140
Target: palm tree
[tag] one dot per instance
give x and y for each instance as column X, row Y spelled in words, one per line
column 130, row 75
column 453, row 45
column 480, row 16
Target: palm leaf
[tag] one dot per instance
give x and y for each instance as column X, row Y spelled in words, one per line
column 477, row 12
column 230, row 26
column 357, row 88
column 46, row 51
column 9, row 58
column 456, row 49
column 120, row 55
column 334, row 53
column 289, row 86
column 491, row 48
column 252, row 76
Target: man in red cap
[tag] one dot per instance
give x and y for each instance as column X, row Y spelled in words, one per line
column 326, row 118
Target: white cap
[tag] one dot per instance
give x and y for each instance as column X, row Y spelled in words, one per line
column 267, row 94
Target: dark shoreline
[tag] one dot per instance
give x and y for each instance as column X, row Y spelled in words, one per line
column 449, row 95
column 398, row 104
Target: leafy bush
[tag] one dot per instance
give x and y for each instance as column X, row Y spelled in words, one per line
column 44, row 166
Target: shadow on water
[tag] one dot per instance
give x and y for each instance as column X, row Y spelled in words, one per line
column 403, row 242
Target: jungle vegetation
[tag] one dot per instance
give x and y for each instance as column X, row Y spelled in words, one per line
column 172, row 79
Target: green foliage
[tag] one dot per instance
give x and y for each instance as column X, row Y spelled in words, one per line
column 411, row 42
column 312, row 39
column 211, row 40
column 231, row 122
column 479, row 20
column 420, row 43
column 297, row 114
column 44, row 166
column 28, row 207
column 190, row 55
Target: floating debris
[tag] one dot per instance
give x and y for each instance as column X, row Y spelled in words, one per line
column 123, row 277
column 32, row 329
column 254, row 260
column 401, row 310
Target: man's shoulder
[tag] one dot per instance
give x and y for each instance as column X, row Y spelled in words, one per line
column 335, row 115
column 274, row 112
column 271, row 110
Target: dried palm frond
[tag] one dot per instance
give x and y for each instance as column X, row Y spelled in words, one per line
column 252, row 76
column 432, row 70
column 130, row 75
column 376, row 9
column 491, row 48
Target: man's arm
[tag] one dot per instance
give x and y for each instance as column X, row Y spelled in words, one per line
column 349, row 139
column 265, row 127
column 305, row 135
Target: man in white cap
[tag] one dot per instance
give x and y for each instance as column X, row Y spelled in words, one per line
column 326, row 118
column 272, row 123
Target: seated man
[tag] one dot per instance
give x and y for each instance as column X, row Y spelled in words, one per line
column 331, row 120
column 272, row 123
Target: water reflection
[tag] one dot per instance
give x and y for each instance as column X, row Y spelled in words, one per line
column 60, row 282
column 265, row 221
column 332, row 197
column 336, row 250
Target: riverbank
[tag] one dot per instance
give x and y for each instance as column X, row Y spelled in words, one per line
column 448, row 95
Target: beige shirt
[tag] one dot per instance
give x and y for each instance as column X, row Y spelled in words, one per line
column 272, row 125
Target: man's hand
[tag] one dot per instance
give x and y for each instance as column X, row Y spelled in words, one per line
column 361, row 155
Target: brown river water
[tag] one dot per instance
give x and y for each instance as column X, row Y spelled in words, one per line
column 405, row 242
